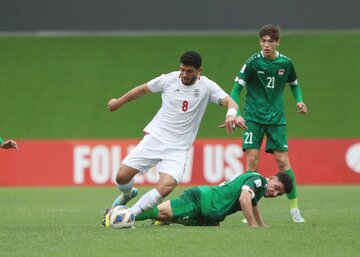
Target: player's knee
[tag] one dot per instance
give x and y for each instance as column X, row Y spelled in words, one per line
column 283, row 163
column 122, row 177
column 251, row 162
column 165, row 211
column 165, row 189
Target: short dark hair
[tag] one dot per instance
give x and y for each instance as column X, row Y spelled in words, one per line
column 191, row 58
column 270, row 30
column 286, row 180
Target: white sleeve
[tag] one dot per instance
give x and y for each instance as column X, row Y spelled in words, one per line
column 216, row 93
column 157, row 84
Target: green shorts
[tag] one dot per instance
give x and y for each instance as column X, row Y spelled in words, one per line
column 275, row 135
column 187, row 209
column 187, row 205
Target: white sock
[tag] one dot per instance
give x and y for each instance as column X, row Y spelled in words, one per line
column 126, row 188
column 147, row 201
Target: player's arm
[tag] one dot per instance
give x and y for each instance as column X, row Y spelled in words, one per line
column 235, row 95
column 296, row 91
column 232, row 108
column 247, row 208
column 134, row 93
column 258, row 217
column 235, row 100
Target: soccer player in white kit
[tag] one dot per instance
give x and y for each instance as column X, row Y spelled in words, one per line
column 169, row 136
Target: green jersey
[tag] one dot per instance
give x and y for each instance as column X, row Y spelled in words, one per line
column 219, row 201
column 265, row 81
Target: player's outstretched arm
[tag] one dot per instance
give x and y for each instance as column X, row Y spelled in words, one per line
column 258, row 217
column 230, row 118
column 9, row 144
column 239, row 122
column 134, row 93
column 246, row 207
column 231, row 114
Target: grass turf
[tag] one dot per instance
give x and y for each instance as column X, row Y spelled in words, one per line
column 58, row 87
column 66, row 222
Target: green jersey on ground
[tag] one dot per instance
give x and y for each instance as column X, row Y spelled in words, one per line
column 265, row 81
column 219, row 201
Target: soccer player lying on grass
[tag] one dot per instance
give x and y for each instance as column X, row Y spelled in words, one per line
column 209, row 205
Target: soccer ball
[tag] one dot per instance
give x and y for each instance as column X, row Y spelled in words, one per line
column 121, row 217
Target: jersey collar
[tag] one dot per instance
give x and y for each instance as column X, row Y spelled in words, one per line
column 277, row 54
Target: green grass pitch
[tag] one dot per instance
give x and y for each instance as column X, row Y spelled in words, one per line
column 58, row 87
column 66, row 222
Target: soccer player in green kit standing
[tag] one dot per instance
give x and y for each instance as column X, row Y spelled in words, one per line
column 265, row 75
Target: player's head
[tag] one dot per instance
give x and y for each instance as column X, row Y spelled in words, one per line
column 279, row 184
column 273, row 31
column 190, row 67
column 269, row 39
column 191, row 58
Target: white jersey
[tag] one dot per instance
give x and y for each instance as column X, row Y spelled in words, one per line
column 177, row 122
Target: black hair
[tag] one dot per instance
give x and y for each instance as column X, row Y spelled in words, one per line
column 191, row 58
column 286, row 180
column 273, row 31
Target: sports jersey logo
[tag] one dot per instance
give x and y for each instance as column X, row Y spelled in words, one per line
column 258, row 183
column 281, row 72
column 196, row 92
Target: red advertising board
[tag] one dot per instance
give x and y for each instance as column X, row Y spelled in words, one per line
column 211, row 161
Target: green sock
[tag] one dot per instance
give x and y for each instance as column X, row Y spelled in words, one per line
column 293, row 203
column 293, row 193
column 149, row 214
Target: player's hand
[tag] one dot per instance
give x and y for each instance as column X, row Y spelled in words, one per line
column 230, row 124
column 112, row 105
column 10, row 144
column 240, row 123
column 302, row 109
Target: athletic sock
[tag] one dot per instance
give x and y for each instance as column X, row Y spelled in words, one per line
column 294, row 203
column 126, row 188
column 149, row 200
column 149, row 214
column 293, row 193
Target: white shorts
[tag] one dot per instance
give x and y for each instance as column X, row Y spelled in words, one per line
column 150, row 152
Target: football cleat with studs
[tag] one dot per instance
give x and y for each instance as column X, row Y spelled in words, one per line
column 296, row 215
column 123, row 200
column 159, row 223
column 105, row 222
